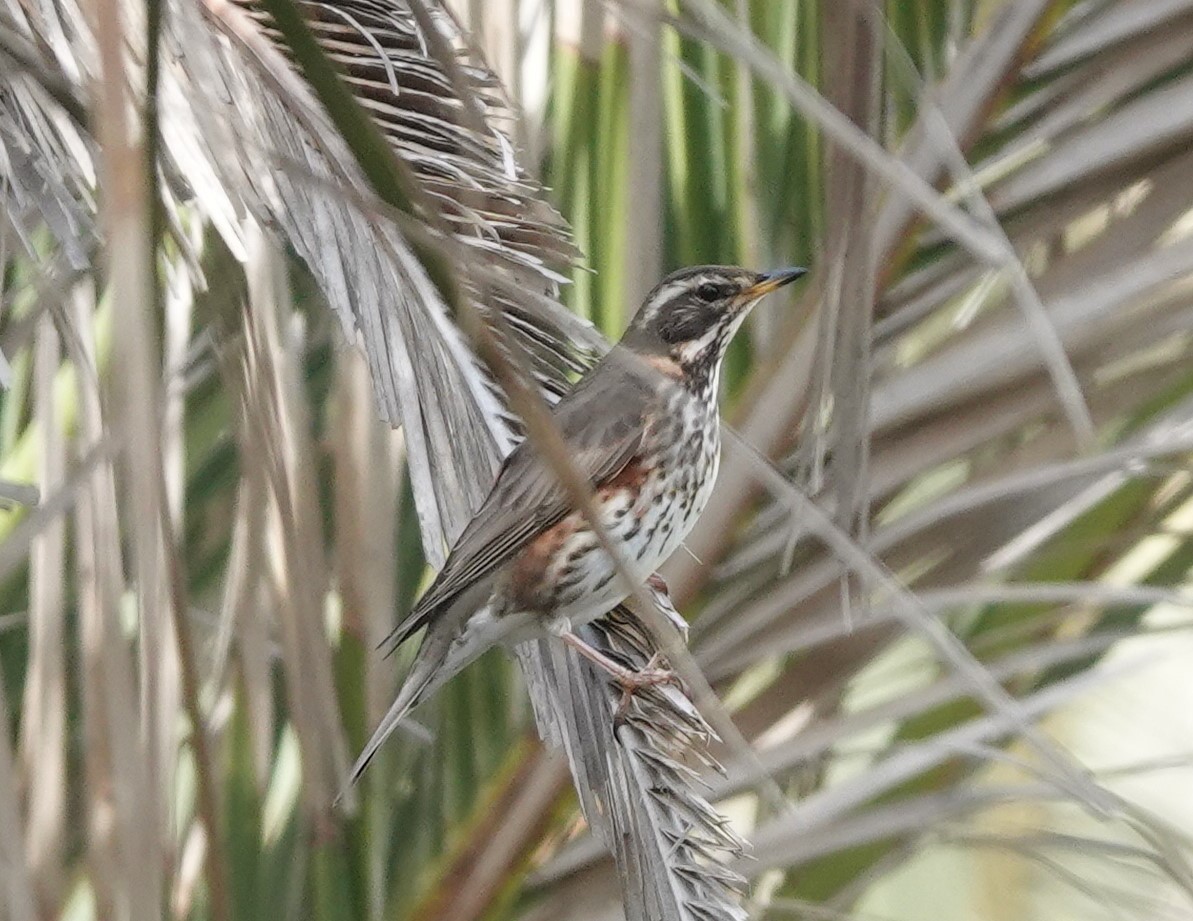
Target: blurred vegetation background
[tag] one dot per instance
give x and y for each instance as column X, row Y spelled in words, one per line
column 977, row 706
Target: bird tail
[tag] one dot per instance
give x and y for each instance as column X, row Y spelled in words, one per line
column 443, row 654
column 412, row 692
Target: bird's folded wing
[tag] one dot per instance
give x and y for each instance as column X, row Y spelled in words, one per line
column 603, row 429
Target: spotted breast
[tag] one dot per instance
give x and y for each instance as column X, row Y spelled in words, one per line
column 647, row 510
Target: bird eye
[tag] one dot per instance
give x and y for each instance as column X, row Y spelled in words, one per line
column 710, row 292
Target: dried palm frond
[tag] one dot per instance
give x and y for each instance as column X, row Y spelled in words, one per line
column 246, row 140
column 974, row 481
column 442, row 116
column 45, row 158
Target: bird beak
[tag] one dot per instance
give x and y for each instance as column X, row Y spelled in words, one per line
column 771, row 281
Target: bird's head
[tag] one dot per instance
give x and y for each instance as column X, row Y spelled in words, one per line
column 686, row 322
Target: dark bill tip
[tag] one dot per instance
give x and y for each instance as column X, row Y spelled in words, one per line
column 769, row 281
column 782, row 277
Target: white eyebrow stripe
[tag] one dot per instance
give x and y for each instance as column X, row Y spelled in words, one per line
column 664, row 295
column 667, row 293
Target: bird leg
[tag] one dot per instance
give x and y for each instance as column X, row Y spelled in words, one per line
column 628, row 679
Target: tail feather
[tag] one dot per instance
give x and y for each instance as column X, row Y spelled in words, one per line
column 414, row 689
column 445, row 651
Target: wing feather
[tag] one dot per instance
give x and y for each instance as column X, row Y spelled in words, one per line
column 603, row 427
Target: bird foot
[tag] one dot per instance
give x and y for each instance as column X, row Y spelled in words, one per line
column 651, row 675
column 630, row 680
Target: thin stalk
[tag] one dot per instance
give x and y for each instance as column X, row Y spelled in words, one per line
column 205, row 767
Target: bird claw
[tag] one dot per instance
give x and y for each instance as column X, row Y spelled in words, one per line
column 631, row 682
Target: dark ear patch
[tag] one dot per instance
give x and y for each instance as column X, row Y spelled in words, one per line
column 683, row 324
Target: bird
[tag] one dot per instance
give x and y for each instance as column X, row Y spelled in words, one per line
column 643, row 427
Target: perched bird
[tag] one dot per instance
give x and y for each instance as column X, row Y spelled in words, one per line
column 642, row 426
